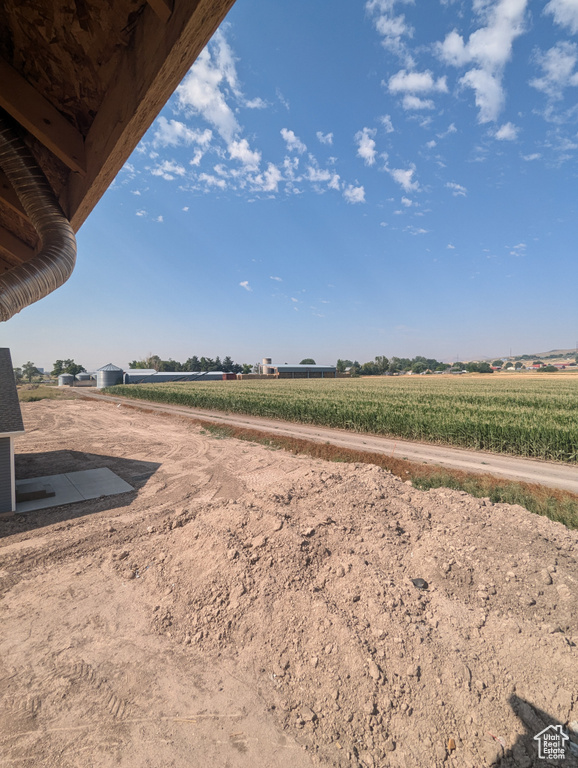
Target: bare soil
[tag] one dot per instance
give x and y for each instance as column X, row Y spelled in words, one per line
column 248, row 607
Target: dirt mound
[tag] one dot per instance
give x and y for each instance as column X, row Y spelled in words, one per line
column 372, row 623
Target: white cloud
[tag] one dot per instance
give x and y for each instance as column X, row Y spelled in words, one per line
column 534, row 156
column 240, row 150
column 457, row 189
column 407, row 202
column 366, row 145
column 558, row 69
column 278, row 279
column 245, row 284
column 385, row 120
column 416, row 82
column 404, row 178
column 565, row 13
column 168, row 169
column 141, row 213
column 431, row 144
column 212, row 181
column 171, row 133
column 354, row 194
column 394, row 29
column 200, row 92
column 185, row 208
column 451, row 247
column 197, row 157
column 256, row 103
column 295, row 300
column 268, row 181
column 414, row 102
column 159, row 219
column 489, row 48
column 325, row 138
column 507, row 132
column 294, row 143
column 450, row 129
column 489, row 94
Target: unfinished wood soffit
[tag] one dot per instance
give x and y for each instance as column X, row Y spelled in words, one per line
column 83, row 80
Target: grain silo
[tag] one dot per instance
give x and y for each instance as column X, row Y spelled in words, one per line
column 65, row 380
column 265, row 365
column 108, row 376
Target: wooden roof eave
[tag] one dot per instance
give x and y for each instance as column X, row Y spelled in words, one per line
column 167, row 37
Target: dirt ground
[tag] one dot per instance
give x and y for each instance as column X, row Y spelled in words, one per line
column 247, row 607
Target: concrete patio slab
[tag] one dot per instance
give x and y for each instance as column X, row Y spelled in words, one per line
column 72, row 487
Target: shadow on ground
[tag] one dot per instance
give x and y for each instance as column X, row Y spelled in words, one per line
column 526, row 751
column 29, row 465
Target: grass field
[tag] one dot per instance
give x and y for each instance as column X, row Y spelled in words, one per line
column 523, row 416
column 31, row 393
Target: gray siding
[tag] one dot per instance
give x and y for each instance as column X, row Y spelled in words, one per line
column 5, row 476
column 10, row 415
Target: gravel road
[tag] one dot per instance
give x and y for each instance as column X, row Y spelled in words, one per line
column 562, row 476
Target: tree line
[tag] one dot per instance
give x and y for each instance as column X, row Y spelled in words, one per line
column 192, row 364
column 383, row 366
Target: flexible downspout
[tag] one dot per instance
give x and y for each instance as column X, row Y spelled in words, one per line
column 53, row 265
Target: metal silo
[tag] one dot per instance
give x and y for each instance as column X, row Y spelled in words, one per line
column 65, row 380
column 108, row 376
column 265, row 365
column 83, row 376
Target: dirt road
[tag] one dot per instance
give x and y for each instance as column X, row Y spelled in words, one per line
column 248, row 608
column 554, row 475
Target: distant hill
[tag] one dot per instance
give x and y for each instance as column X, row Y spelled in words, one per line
column 552, row 354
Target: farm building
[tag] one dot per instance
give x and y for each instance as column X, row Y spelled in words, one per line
column 304, row 371
column 10, row 425
column 140, row 376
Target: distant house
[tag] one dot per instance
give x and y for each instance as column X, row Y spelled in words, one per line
column 10, row 425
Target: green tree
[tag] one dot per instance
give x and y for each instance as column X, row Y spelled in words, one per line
column 192, row 364
column 369, row 369
column 381, row 363
column 18, row 375
column 67, row 366
column 247, row 368
column 418, row 367
column 518, row 365
column 308, row 361
column 343, row 365
column 29, row 370
column 498, row 363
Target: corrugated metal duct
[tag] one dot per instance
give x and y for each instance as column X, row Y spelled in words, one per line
column 53, row 265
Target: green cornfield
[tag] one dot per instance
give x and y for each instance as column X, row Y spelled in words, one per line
column 514, row 415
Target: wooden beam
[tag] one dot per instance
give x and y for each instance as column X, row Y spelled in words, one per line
column 38, row 116
column 9, row 196
column 148, row 73
column 5, row 265
column 13, row 249
column 162, row 8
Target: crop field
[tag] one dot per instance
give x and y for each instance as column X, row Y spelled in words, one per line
column 524, row 416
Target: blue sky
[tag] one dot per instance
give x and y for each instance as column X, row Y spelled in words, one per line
column 343, row 179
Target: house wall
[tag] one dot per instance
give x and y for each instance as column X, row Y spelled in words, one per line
column 7, row 499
